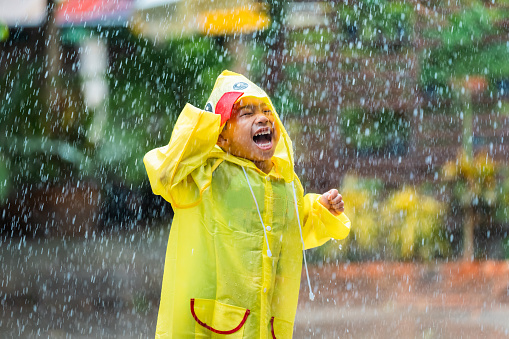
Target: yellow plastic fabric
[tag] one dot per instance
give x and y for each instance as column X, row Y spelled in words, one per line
column 216, row 250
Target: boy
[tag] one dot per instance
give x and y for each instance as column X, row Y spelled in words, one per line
column 234, row 256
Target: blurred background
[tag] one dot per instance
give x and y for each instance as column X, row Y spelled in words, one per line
column 402, row 105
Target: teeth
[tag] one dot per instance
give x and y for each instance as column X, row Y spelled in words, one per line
column 262, row 133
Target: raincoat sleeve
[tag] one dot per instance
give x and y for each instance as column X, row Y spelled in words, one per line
column 179, row 172
column 320, row 225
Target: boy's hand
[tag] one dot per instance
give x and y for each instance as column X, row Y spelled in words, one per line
column 333, row 201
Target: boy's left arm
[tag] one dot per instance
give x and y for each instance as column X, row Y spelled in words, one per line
column 322, row 219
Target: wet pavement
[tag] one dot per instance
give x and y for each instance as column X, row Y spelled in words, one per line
column 407, row 300
column 108, row 287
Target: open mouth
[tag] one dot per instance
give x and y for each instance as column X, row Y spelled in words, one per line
column 263, row 138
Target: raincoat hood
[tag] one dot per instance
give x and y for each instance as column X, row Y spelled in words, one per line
column 229, row 88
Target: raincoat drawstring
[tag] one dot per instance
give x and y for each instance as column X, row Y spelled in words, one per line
column 269, row 253
column 311, row 295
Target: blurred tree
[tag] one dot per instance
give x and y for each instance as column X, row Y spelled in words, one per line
column 52, row 66
column 273, row 45
column 40, row 111
column 468, row 58
column 468, row 42
column 473, row 181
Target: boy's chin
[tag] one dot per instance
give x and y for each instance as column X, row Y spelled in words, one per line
column 259, row 156
column 264, row 156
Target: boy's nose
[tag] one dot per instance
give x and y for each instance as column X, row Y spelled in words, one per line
column 261, row 118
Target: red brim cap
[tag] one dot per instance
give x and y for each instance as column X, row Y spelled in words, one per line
column 224, row 106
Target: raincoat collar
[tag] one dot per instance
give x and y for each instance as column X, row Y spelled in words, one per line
column 280, row 169
column 230, row 82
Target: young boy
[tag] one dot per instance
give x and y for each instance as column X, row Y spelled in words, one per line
column 234, row 256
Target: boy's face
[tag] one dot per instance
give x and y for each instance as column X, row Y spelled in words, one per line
column 251, row 132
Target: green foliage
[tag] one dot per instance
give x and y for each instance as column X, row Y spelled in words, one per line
column 505, row 245
column 374, row 132
column 373, row 21
column 5, row 180
column 256, row 60
column 277, row 14
column 4, row 32
column 141, row 303
column 465, row 48
column 21, row 98
column 286, row 103
column 39, row 143
column 502, row 197
column 284, row 99
column 312, row 42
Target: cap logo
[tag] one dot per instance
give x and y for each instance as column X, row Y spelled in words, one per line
column 208, row 107
column 238, row 86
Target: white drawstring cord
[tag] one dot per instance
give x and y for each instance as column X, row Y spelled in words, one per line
column 311, row 295
column 269, row 254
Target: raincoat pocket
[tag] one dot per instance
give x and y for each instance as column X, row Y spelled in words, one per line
column 218, row 320
column 280, row 329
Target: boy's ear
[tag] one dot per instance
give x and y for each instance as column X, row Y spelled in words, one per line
column 222, row 141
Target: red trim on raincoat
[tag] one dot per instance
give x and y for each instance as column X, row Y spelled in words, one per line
column 239, row 326
column 272, row 328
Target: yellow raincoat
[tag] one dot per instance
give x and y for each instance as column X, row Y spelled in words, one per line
column 219, row 281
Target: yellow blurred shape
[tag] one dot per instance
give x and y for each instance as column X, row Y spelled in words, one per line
column 359, row 207
column 235, row 20
column 199, row 17
column 411, row 220
column 481, row 167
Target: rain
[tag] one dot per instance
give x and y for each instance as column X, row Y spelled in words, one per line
column 403, row 106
